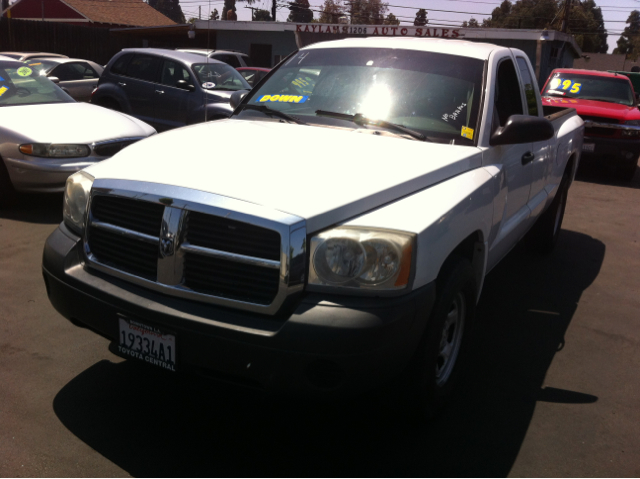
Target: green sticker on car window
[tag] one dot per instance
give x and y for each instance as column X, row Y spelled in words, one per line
column 24, row 71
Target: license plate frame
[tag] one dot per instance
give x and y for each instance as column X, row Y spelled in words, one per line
column 139, row 340
column 589, row 147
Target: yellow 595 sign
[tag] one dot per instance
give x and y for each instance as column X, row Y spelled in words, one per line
column 570, row 85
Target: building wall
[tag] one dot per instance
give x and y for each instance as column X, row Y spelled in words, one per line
column 282, row 43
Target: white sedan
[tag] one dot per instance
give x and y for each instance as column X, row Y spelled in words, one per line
column 45, row 135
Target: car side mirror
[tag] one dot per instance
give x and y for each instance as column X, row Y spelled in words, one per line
column 523, row 129
column 185, row 85
column 237, row 97
column 55, row 80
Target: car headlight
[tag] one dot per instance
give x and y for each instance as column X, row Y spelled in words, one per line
column 76, row 198
column 632, row 122
column 361, row 258
column 47, row 150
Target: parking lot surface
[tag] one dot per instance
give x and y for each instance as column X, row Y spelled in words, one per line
column 551, row 388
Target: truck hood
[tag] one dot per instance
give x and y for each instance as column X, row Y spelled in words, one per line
column 602, row 109
column 324, row 175
column 70, row 123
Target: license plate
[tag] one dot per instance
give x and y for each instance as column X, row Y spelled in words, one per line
column 588, row 147
column 147, row 343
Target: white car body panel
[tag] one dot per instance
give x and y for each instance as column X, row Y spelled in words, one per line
column 273, row 179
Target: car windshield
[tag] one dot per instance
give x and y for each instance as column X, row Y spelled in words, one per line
column 219, row 76
column 436, row 95
column 590, row 87
column 22, row 85
column 42, row 66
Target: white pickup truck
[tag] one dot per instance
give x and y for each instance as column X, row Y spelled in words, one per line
column 332, row 234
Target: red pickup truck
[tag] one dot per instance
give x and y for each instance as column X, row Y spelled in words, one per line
column 607, row 104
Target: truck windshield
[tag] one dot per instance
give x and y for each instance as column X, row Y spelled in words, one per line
column 434, row 94
column 590, row 87
column 22, row 85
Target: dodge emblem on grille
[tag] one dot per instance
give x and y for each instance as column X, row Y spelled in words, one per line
column 166, row 246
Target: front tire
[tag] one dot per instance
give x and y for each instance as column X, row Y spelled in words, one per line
column 435, row 369
column 8, row 194
column 547, row 229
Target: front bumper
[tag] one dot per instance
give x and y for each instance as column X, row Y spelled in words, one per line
column 45, row 175
column 328, row 346
column 610, row 151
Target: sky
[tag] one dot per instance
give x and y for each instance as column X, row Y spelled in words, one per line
column 440, row 12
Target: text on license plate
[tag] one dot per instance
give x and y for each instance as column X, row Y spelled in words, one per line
column 147, row 343
column 588, row 147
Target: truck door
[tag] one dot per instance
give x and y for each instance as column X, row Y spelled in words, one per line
column 541, row 163
column 516, row 162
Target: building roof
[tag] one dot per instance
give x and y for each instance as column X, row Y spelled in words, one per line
column 118, row 12
column 121, row 12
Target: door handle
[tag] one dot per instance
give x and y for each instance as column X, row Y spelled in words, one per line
column 160, row 92
column 527, row 158
column 122, row 84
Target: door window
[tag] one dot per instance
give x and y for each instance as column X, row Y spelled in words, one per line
column 74, row 71
column 507, row 99
column 120, row 65
column 143, row 67
column 529, row 87
column 172, row 72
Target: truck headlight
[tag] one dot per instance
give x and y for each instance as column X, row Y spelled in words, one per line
column 631, row 132
column 47, row 150
column 361, row 258
column 76, row 198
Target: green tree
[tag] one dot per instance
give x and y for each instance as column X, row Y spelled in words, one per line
column 367, row 12
column 421, row 18
column 629, row 41
column 215, row 15
column 260, row 15
column 300, row 12
column 473, row 23
column 331, row 11
column 169, row 8
column 391, row 20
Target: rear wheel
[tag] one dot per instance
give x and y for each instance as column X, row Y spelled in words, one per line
column 627, row 172
column 433, row 374
column 547, row 229
column 109, row 103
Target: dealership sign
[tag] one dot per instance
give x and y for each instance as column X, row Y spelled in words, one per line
column 378, row 30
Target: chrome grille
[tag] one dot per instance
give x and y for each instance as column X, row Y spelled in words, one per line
column 598, row 131
column 191, row 244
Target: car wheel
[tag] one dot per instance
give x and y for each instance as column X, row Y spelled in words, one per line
column 627, row 172
column 7, row 192
column 109, row 103
column 435, row 369
column 548, row 227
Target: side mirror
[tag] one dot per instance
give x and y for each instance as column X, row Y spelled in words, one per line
column 55, row 80
column 523, row 129
column 237, row 97
column 185, row 85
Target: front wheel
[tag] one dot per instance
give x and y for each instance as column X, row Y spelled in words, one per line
column 547, row 229
column 437, row 363
column 7, row 192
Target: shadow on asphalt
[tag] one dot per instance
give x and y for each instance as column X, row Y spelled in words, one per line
column 606, row 176
column 35, row 208
column 150, row 423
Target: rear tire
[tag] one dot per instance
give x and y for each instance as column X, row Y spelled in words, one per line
column 547, row 229
column 432, row 376
column 627, row 172
column 109, row 103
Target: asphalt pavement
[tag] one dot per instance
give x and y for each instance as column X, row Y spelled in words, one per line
column 552, row 387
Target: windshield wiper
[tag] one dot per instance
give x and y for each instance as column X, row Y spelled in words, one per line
column 360, row 119
column 270, row 111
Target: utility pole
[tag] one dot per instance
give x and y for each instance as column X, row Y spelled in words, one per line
column 199, row 12
column 273, row 10
column 565, row 19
